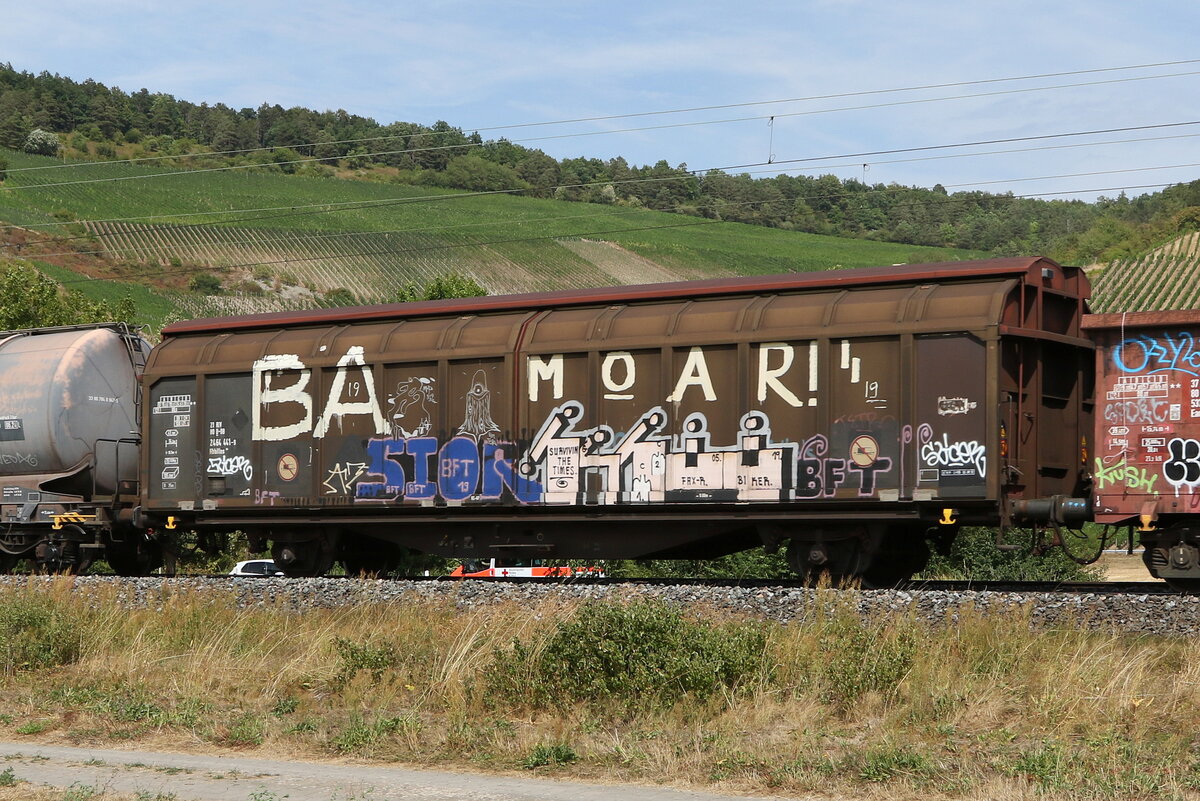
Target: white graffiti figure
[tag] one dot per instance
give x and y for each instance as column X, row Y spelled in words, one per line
column 478, row 423
column 408, row 408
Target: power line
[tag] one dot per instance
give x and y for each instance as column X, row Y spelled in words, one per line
column 633, row 115
column 719, row 204
column 359, row 205
column 545, row 237
column 980, row 143
column 352, row 205
column 323, row 208
column 469, row 145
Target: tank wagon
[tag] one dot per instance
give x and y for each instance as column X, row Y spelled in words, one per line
column 69, row 416
column 849, row 415
column 1147, row 463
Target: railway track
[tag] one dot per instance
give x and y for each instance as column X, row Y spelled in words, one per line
column 914, row 586
column 1134, row 607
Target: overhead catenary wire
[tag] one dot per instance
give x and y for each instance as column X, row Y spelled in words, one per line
column 694, row 109
column 719, row 204
column 289, row 211
column 468, row 145
column 545, row 237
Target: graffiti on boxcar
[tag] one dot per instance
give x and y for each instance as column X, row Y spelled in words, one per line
column 643, row 464
column 424, row 469
column 563, row 463
column 1172, row 352
column 955, row 457
column 1140, row 411
column 342, row 477
column 408, row 408
column 230, row 466
column 820, row 475
column 1182, row 467
column 351, row 393
column 477, row 417
column 618, row 374
column 1136, row 478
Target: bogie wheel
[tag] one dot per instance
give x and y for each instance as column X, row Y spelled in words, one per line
column 8, row 563
column 838, row 561
column 1177, row 548
column 305, row 558
column 63, row 555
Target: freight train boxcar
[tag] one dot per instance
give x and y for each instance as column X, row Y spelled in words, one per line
column 843, row 412
column 1147, row 462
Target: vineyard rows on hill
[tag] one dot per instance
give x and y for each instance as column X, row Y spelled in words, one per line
column 1167, row 278
column 370, row 265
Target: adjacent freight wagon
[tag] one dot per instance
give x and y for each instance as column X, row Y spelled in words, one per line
column 1147, row 463
column 69, row 448
column 847, row 414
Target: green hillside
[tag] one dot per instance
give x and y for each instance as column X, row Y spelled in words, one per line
column 368, row 237
column 1165, row 278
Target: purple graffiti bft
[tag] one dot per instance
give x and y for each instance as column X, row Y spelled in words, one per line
column 820, row 476
column 419, row 468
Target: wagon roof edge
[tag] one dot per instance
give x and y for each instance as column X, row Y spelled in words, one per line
column 1142, row 319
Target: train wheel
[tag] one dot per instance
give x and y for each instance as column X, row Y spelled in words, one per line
column 305, row 558
column 62, row 554
column 1178, row 549
column 837, row 561
column 8, row 563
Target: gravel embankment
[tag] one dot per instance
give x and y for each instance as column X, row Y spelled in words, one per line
column 1151, row 614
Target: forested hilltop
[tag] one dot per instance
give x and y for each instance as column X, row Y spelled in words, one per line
column 91, row 121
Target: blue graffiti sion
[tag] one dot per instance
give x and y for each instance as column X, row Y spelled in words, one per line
column 463, row 470
column 1175, row 352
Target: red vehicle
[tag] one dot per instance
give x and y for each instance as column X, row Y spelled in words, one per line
column 1146, row 471
column 522, row 568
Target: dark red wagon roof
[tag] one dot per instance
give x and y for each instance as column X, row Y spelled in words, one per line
column 907, row 273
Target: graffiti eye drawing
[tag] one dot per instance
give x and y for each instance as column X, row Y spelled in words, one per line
column 477, row 420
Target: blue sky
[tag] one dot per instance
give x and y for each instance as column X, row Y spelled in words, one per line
column 478, row 65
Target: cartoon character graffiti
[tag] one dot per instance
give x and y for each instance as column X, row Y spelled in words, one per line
column 409, row 407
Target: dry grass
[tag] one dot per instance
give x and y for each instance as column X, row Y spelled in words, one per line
column 981, row 708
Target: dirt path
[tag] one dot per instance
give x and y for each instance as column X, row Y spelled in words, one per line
column 1120, row 566
column 196, row 777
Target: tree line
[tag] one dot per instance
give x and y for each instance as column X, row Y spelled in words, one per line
column 91, row 120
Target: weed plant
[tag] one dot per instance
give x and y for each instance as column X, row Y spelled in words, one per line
column 981, row 706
